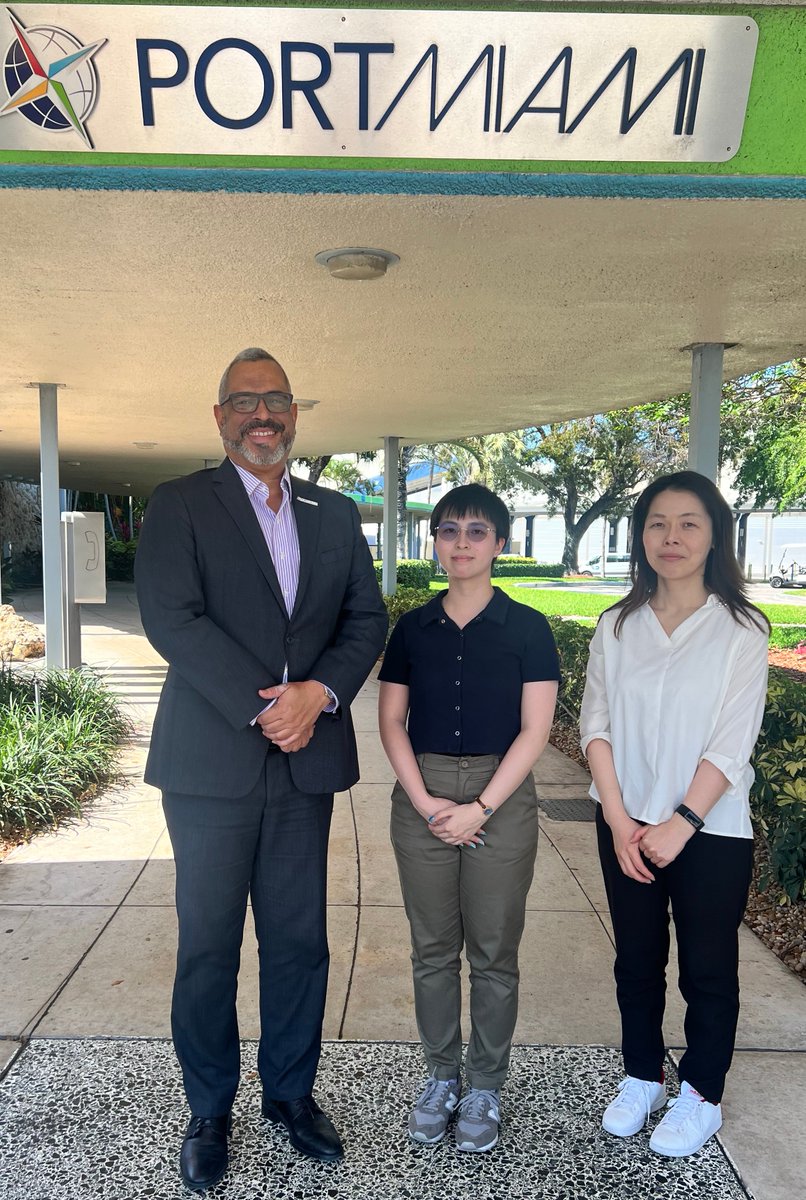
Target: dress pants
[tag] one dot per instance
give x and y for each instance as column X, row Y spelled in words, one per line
column 456, row 896
column 707, row 886
column 270, row 845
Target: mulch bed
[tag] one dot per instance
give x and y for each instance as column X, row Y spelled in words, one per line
column 790, row 662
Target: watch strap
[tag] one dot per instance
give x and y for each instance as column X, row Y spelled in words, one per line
column 689, row 815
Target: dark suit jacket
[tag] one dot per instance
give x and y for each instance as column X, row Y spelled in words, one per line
column 211, row 605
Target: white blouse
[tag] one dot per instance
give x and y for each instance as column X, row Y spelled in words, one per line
column 666, row 703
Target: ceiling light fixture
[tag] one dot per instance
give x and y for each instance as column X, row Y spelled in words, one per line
column 144, row 445
column 356, row 262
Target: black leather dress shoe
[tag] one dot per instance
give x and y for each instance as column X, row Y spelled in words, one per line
column 203, row 1160
column 309, row 1130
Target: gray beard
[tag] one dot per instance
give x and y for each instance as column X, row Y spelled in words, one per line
column 260, row 458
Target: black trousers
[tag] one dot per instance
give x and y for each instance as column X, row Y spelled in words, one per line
column 707, row 888
column 270, row 845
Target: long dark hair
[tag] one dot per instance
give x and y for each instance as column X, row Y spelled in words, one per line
column 723, row 575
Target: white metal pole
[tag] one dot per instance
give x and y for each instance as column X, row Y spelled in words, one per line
column 707, row 362
column 51, row 523
column 391, row 471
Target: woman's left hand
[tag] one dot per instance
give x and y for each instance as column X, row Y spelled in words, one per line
column 460, row 825
column 662, row 843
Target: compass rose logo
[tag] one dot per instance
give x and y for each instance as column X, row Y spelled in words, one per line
column 50, row 78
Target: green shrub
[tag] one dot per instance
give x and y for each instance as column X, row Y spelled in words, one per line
column 778, row 795
column 787, row 637
column 22, row 571
column 403, row 601
column 573, row 642
column 411, row 572
column 120, row 560
column 515, row 566
column 58, row 740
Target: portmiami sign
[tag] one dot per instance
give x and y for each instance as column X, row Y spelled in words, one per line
column 397, row 84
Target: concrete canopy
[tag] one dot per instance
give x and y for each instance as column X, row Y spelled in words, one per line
column 504, row 311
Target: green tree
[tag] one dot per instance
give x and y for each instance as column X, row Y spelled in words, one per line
column 586, row 468
column 344, row 474
column 591, row 467
column 763, row 436
column 315, row 464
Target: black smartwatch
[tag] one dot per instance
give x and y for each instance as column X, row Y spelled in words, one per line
column 689, row 815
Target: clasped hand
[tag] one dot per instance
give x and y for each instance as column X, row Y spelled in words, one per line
column 456, row 824
column 662, row 843
column 290, row 722
column 659, row 844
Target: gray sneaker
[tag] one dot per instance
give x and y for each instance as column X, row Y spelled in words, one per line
column 478, row 1120
column 433, row 1108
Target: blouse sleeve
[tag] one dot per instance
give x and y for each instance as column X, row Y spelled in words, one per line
column 395, row 665
column 594, row 718
column 739, row 720
column 540, row 661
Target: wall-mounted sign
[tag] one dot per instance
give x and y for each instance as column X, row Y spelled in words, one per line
column 377, row 83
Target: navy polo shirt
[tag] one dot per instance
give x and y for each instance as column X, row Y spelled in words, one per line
column 465, row 684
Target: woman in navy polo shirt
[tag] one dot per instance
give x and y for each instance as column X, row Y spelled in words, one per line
column 468, row 688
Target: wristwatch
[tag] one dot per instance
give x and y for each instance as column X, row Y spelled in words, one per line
column 689, row 815
column 488, row 812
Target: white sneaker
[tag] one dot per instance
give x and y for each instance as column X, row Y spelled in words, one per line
column 631, row 1109
column 688, row 1124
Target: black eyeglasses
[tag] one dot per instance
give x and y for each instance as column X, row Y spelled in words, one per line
column 450, row 530
column 247, row 402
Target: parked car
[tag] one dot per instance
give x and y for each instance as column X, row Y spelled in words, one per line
column 617, row 564
column 791, row 570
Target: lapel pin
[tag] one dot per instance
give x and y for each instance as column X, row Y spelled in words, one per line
column 302, row 500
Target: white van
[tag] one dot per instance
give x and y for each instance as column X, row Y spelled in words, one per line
column 617, row 564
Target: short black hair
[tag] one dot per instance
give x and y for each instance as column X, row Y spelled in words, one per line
column 478, row 501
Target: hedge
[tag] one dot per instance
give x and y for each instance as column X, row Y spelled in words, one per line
column 778, row 796
column 411, row 572
column 515, row 566
column 120, row 560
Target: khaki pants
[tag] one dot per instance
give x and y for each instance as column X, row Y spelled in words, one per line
column 457, row 896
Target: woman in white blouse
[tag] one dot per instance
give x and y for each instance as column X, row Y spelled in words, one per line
column 673, row 703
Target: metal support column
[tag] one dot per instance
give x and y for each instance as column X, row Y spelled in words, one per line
column 51, row 523
column 391, row 471
column 529, row 536
column 706, row 396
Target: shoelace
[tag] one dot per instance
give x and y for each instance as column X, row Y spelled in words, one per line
column 680, row 1110
column 478, row 1103
column 635, row 1092
column 434, row 1093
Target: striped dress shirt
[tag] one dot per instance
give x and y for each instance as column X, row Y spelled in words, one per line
column 279, row 531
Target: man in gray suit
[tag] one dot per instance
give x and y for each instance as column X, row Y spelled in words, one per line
column 259, row 591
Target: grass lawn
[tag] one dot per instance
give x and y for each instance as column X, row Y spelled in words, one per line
column 559, row 602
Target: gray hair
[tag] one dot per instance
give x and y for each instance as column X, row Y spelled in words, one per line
column 252, row 354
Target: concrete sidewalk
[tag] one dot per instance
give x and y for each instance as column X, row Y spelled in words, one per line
column 92, row 1102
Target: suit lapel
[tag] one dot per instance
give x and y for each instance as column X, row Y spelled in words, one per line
column 232, row 494
column 307, row 517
